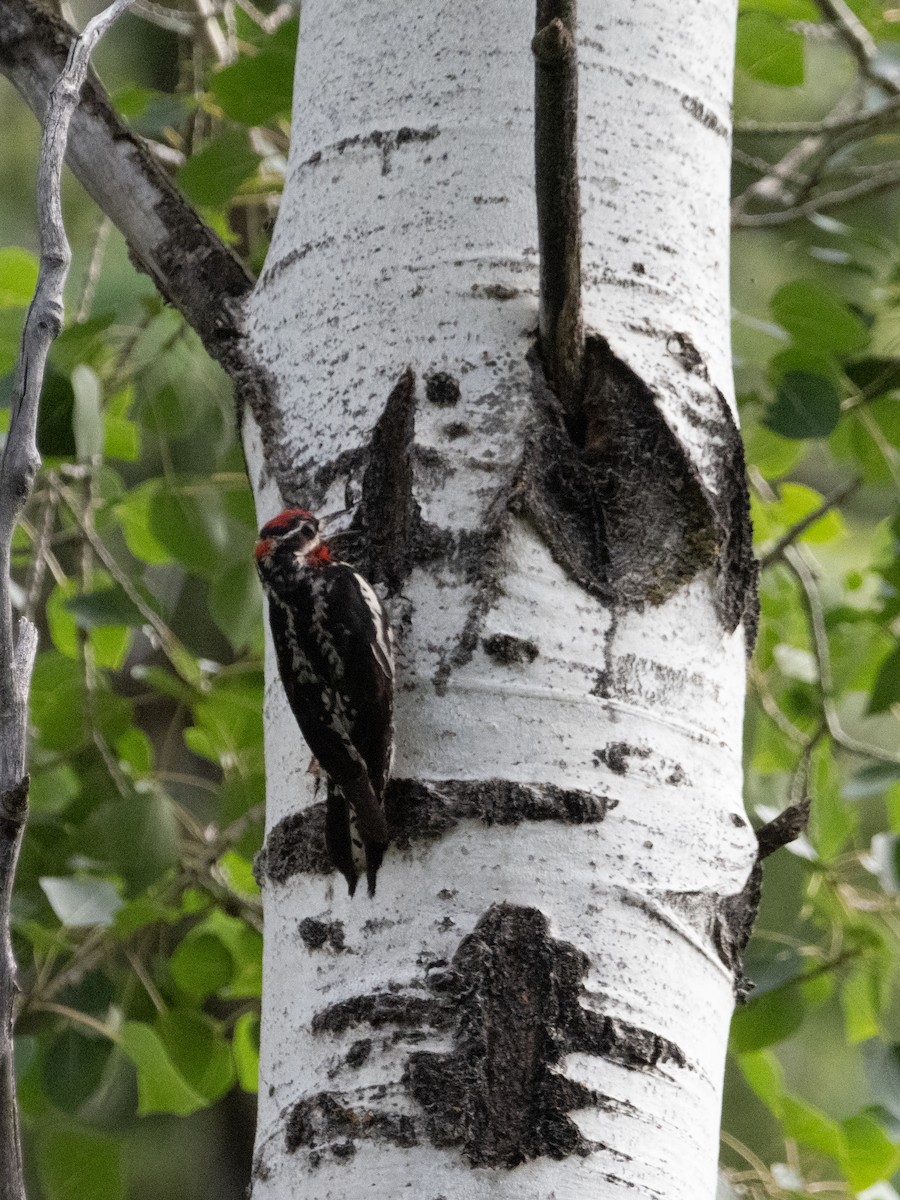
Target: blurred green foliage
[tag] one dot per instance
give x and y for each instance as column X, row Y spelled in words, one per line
column 137, row 919
column 812, row 1101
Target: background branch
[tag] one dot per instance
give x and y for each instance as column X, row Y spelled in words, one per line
column 193, row 269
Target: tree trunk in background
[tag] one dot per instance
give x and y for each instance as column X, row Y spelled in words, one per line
column 536, row 1001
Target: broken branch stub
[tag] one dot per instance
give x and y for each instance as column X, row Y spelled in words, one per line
column 558, row 200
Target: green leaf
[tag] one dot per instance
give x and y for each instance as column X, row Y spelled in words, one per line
column 245, row 1047
column 161, row 1087
column 18, row 277
column 131, row 101
column 135, row 750
column 72, row 1068
column 235, row 601
column 82, row 342
column 255, row 89
column 886, row 690
column 172, row 412
column 811, row 1127
column 817, row 319
column 61, row 623
column 238, row 873
column 201, row 965
column 769, row 51
column 871, row 1155
column 122, row 438
column 138, row 837
column 78, row 1164
column 151, row 113
column 198, row 1051
column 768, row 1018
column 831, row 821
column 142, row 911
column 800, row 1120
column 81, row 901
column 875, row 376
column 763, row 1072
column 806, row 358
column 133, row 513
column 853, row 442
column 245, row 945
column 56, row 437
column 87, row 418
column 191, row 527
column 806, row 406
column 57, row 702
column 103, row 606
column 52, row 790
column 212, row 176
column 795, row 503
column 856, row 650
column 770, row 453
column 228, row 726
column 110, row 645
column 860, row 1003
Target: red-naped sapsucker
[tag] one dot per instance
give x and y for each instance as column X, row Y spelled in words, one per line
column 334, row 649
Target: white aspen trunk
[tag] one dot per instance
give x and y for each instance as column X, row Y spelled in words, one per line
column 536, row 1001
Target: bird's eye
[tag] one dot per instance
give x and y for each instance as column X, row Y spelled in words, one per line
column 308, row 531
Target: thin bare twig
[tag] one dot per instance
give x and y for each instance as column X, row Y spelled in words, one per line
column 797, row 531
column 800, row 163
column 212, row 31
column 884, row 181
column 170, row 19
column 95, row 266
column 275, row 19
column 859, row 42
column 830, row 124
column 40, row 557
column 801, row 568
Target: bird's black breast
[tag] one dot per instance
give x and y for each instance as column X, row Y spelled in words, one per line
column 333, row 644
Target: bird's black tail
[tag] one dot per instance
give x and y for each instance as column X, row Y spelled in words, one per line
column 355, row 831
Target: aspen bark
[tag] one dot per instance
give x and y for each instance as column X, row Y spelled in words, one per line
column 536, row 1001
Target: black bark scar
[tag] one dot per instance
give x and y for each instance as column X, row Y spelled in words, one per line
column 621, row 507
column 511, row 997
column 420, row 810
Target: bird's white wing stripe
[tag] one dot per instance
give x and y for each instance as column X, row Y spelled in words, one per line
column 382, row 647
